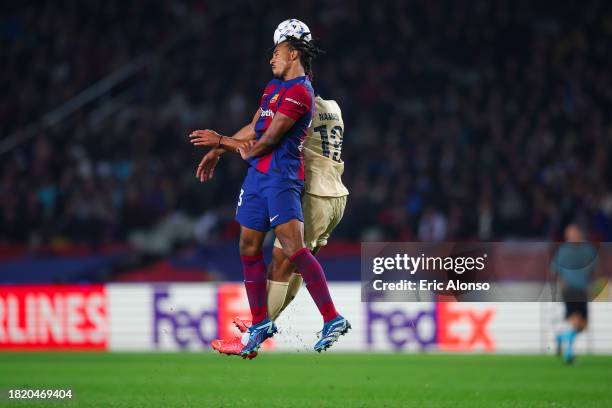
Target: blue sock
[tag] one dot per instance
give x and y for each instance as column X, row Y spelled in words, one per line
column 568, row 337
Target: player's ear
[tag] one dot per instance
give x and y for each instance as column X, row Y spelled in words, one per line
column 294, row 54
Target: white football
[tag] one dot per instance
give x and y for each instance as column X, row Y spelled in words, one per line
column 291, row 28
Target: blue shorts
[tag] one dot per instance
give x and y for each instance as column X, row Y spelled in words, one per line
column 267, row 201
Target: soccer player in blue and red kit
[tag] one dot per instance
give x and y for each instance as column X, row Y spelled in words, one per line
column 270, row 197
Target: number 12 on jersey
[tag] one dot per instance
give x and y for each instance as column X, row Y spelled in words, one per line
column 331, row 142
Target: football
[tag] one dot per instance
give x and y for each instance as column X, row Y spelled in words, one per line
column 291, row 28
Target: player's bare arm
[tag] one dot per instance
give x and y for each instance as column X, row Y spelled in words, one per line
column 273, row 135
column 210, row 138
column 206, row 168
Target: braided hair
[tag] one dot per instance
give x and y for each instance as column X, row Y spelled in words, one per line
column 308, row 51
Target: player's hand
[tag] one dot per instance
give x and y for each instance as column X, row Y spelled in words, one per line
column 207, row 165
column 205, row 137
column 245, row 148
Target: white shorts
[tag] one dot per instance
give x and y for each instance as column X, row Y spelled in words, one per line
column 321, row 216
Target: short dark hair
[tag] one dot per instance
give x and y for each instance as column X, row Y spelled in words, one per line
column 308, row 51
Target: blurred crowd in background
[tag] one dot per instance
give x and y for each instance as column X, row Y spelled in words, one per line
column 470, row 120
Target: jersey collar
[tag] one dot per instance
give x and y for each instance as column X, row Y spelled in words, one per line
column 295, row 80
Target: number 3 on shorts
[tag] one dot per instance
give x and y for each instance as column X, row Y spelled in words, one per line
column 240, row 197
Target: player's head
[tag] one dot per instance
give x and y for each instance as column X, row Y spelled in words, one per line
column 574, row 233
column 293, row 45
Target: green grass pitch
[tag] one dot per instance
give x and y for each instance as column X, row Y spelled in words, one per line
column 309, row 380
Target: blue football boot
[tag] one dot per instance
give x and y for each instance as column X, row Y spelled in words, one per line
column 330, row 333
column 258, row 333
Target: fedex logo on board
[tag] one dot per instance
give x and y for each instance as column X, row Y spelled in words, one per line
column 192, row 317
column 447, row 326
column 177, row 323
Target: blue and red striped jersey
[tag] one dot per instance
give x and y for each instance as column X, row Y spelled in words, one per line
column 294, row 98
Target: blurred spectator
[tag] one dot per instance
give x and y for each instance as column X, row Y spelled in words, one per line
column 432, row 226
column 497, row 114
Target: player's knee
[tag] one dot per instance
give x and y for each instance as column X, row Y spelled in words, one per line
column 291, row 237
column 290, row 250
column 290, row 245
column 249, row 247
column 281, row 270
column 278, row 267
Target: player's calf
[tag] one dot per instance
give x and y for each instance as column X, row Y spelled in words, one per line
column 313, row 275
